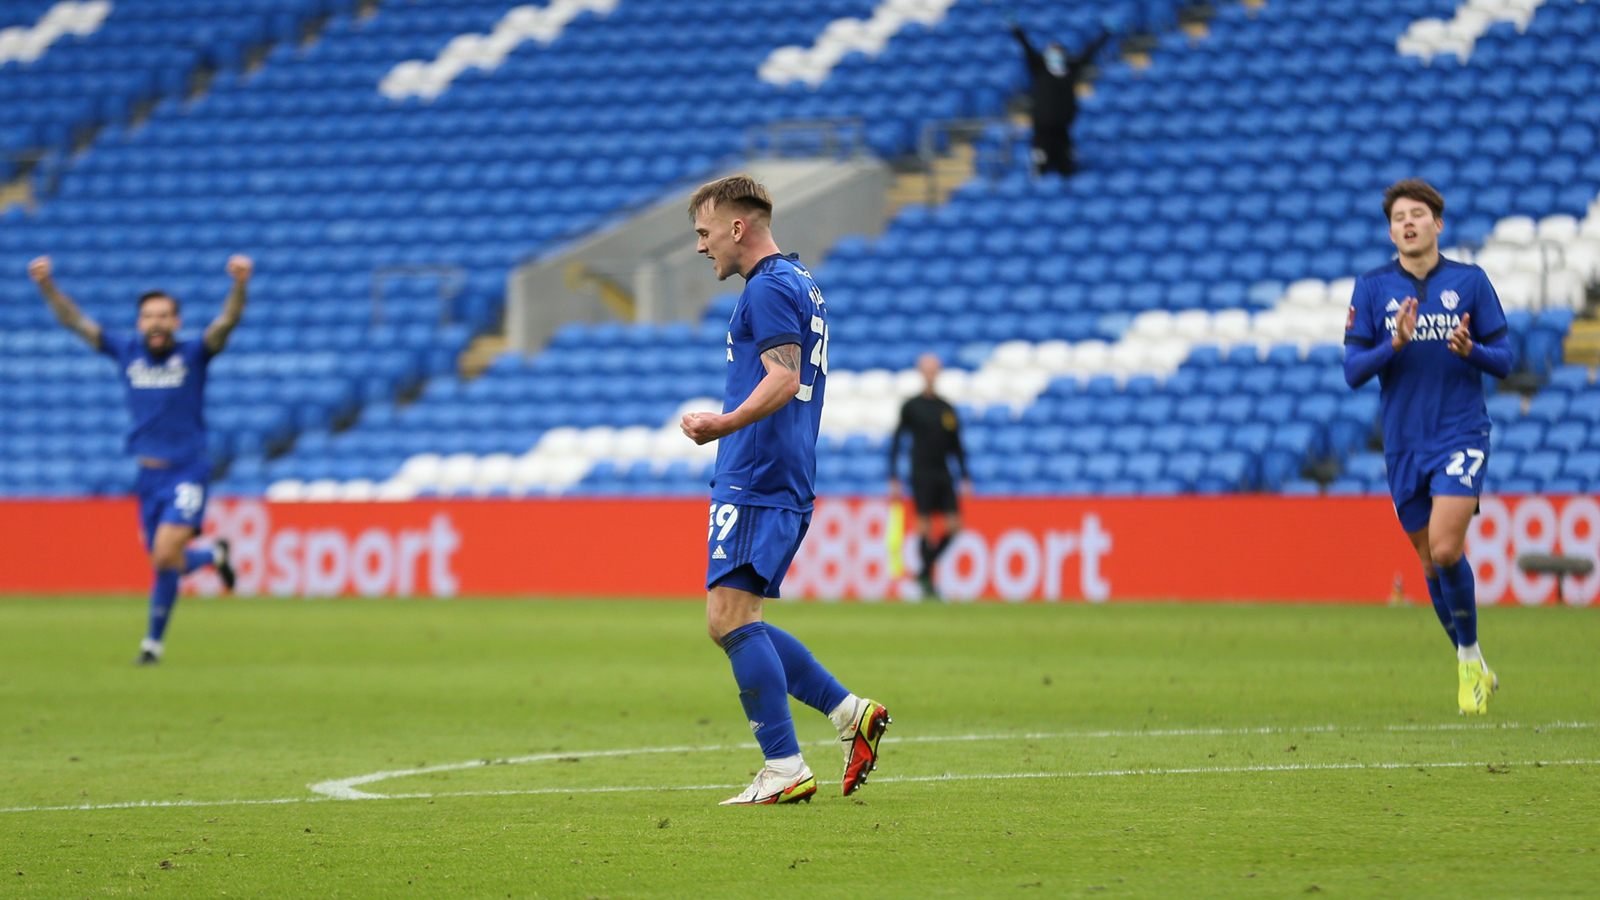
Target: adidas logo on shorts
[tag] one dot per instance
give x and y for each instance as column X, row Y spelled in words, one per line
column 718, row 554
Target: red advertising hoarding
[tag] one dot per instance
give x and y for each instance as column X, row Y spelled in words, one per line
column 1229, row 548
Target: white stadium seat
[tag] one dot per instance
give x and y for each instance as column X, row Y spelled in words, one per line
column 951, row 384
column 596, row 442
column 1230, row 326
column 1307, row 292
column 1515, row 230
column 1155, row 323
column 456, row 472
column 875, row 383
column 323, row 490
column 421, row 470
column 493, row 472
column 841, row 383
column 1053, row 355
column 1192, row 325
column 558, row 441
column 1012, row 355
column 1340, row 292
column 358, row 490
column 634, row 443
column 396, row 491
column 1090, row 357
column 1562, row 229
column 286, row 490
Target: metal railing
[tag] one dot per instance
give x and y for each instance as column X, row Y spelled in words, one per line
column 452, row 280
column 835, row 138
column 938, row 134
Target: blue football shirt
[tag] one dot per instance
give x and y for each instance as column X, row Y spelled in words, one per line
column 166, row 397
column 1431, row 398
column 773, row 462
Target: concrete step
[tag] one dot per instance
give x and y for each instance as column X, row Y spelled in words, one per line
column 479, row 354
column 1582, row 346
column 16, row 193
column 949, row 172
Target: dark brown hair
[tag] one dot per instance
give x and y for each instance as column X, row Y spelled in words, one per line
column 740, row 191
column 158, row 295
column 1413, row 189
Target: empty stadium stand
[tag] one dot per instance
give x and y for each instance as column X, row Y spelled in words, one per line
column 1166, row 321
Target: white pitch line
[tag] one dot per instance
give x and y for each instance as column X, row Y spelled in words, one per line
column 345, row 788
column 903, row 779
column 155, row 804
column 348, row 783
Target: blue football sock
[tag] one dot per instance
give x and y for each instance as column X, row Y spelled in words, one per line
column 1442, row 609
column 163, row 596
column 762, row 689
column 194, row 559
column 1457, row 586
column 809, row 682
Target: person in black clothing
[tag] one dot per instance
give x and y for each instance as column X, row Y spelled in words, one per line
column 935, row 437
column 1055, row 76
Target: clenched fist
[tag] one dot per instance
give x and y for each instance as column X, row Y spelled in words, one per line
column 39, row 270
column 239, row 267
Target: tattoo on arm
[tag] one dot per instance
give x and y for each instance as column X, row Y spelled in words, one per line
column 787, row 355
column 232, row 309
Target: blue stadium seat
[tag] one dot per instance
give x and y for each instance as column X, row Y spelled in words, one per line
column 1540, row 466
column 1523, row 436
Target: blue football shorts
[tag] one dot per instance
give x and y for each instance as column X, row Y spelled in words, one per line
column 1416, row 478
column 173, row 496
column 750, row 547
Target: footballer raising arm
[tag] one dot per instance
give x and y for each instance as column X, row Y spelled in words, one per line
column 66, row 311
column 164, row 380
column 239, row 269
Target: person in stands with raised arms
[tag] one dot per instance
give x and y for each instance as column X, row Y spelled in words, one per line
column 165, row 380
column 1429, row 329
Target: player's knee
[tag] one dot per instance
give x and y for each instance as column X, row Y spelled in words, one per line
column 1445, row 553
column 165, row 560
column 717, row 626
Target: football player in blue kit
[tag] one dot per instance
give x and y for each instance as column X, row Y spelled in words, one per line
column 165, row 379
column 763, row 490
column 1430, row 328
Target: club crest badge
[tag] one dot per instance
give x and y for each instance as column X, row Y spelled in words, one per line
column 1450, row 299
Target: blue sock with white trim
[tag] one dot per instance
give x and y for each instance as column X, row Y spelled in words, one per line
column 809, row 682
column 163, row 596
column 1442, row 609
column 1458, row 588
column 763, row 689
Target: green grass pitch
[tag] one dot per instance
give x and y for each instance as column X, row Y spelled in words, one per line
column 1037, row 751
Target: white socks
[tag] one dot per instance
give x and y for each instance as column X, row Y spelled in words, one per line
column 844, row 715
column 1470, row 653
column 787, row 767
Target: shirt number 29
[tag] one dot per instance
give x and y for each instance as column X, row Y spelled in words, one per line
column 819, row 357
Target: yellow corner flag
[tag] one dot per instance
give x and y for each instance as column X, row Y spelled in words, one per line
column 894, row 533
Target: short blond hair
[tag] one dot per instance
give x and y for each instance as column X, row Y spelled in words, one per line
column 738, row 191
